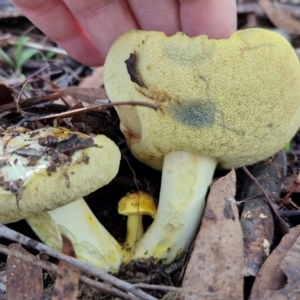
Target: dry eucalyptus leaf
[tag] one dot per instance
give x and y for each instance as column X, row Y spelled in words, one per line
column 215, row 270
column 24, row 280
column 280, row 18
column 67, row 277
column 283, row 262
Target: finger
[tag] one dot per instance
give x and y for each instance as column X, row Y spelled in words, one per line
column 57, row 22
column 104, row 20
column 214, row 18
column 157, row 15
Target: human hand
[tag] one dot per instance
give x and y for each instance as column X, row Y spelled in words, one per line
column 87, row 28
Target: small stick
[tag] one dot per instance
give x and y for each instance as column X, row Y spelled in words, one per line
column 24, row 240
column 32, row 75
column 174, row 289
column 85, row 109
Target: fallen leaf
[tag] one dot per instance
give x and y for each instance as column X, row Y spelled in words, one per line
column 24, row 280
column 215, row 270
column 271, row 275
column 67, row 277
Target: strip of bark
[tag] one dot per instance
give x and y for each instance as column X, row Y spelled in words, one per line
column 257, row 219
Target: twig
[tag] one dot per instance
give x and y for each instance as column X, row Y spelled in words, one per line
column 85, row 109
column 39, row 46
column 174, row 289
column 20, row 238
column 32, row 75
column 46, row 265
column 284, row 227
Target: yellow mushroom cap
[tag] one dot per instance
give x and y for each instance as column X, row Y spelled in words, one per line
column 138, row 203
column 236, row 99
column 47, row 168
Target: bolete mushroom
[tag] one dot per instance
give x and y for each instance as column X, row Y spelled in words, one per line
column 135, row 206
column 44, row 174
column 228, row 102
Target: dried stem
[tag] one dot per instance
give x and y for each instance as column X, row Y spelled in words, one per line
column 85, row 109
column 84, row 267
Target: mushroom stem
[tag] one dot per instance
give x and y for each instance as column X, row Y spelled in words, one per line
column 92, row 242
column 135, row 230
column 185, row 180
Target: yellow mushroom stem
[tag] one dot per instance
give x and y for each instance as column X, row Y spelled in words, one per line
column 92, row 242
column 185, row 181
column 135, row 230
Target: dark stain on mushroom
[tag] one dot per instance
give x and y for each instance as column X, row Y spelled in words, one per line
column 66, row 176
column 197, row 113
column 194, row 113
column 131, row 64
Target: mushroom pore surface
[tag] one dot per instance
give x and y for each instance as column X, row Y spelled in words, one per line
column 236, row 99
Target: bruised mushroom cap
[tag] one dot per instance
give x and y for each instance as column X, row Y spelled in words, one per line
column 47, row 168
column 236, row 99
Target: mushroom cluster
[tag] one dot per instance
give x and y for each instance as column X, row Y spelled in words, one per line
column 225, row 103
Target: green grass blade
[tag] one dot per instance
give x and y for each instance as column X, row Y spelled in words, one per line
column 25, row 55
